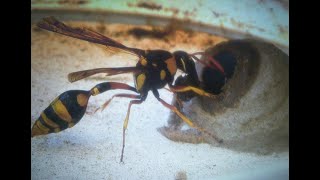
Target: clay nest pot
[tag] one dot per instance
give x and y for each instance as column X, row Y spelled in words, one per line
column 251, row 111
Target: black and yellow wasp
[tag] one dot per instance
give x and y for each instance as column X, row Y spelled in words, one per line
column 154, row 70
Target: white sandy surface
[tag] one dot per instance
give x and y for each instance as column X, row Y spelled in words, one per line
column 92, row 148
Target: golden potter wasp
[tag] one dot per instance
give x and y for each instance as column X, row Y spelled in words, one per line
column 154, row 70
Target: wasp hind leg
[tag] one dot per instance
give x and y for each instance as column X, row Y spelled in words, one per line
column 125, row 123
column 132, row 96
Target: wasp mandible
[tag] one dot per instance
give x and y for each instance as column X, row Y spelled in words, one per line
column 154, row 70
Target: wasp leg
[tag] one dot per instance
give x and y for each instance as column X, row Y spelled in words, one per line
column 178, row 102
column 102, row 87
column 183, row 117
column 132, row 96
column 125, row 123
column 191, row 88
column 168, row 90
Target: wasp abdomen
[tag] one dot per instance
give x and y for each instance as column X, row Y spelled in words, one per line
column 64, row 112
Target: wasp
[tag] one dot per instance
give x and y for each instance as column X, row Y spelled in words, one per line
column 154, row 70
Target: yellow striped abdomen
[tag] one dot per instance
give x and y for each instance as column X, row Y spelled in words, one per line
column 64, row 112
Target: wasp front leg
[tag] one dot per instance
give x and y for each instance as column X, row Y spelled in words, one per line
column 196, row 90
column 69, row 107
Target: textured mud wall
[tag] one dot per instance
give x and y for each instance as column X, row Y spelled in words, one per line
column 252, row 112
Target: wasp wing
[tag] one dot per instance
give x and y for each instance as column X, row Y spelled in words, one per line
column 76, row 76
column 52, row 24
